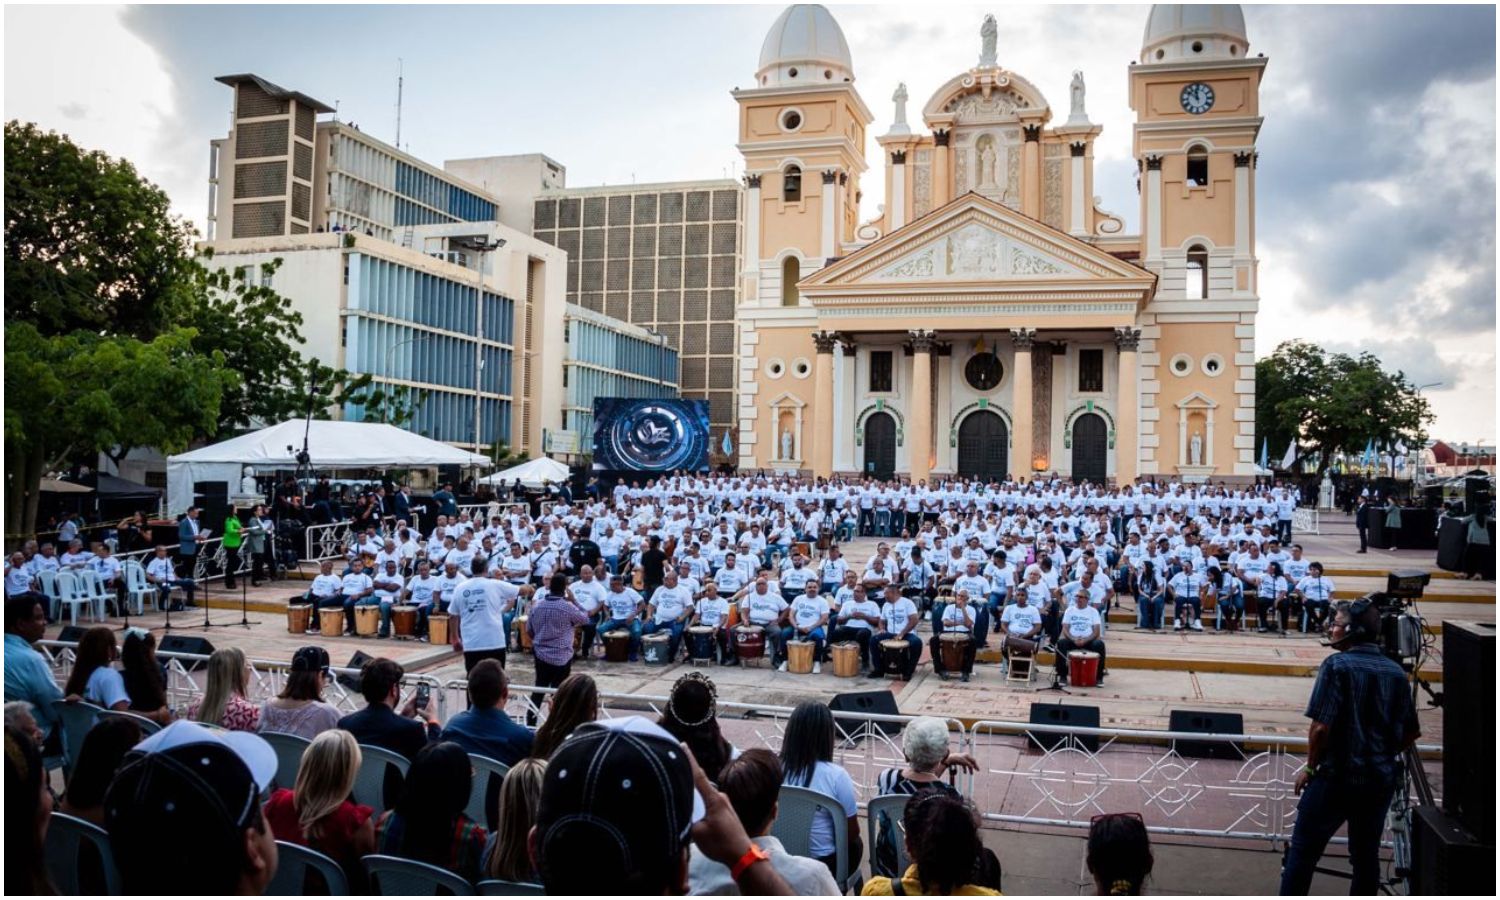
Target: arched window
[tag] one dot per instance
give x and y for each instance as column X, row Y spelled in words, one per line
column 1197, row 166
column 1196, row 287
column 791, row 184
column 791, row 273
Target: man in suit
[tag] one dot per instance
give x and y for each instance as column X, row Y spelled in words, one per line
column 379, row 725
column 401, row 503
column 1361, row 511
column 189, row 536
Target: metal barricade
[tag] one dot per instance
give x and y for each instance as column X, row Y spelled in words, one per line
column 326, row 541
column 1305, row 520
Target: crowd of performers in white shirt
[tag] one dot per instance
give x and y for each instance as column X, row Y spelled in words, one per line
column 1043, row 562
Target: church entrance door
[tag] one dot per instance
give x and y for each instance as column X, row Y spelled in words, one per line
column 1090, row 446
column 880, row 446
column 982, row 440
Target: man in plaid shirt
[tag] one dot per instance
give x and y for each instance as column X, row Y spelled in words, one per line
column 552, row 622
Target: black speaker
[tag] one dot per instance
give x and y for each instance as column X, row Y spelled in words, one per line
column 1469, row 726
column 878, row 702
column 182, row 643
column 1446, row 859
column 72, row 633
column 357, row 661
column 1204, row 722
column 1058, row 714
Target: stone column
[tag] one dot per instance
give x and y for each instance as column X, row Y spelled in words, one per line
column 1078, row 209
column 1031, row 175
column 1152, row 225
column 1020, row 455
column 919, row 438
column 1244, row 268
column 895, row 204
column 1127, row 449
column 942, row 168
column 750, row 276
column 830, row 217
column 822, row 418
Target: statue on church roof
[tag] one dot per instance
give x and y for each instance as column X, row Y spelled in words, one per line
column 1076, row 112
column 900, row 98
column 988, row 32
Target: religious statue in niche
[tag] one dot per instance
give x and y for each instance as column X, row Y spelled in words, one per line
column 1195, row 449
column 987, row 161
column 786, row 444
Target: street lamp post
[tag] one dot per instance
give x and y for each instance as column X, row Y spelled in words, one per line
column 480, row 245
column 390, row 376
column 1421, row 474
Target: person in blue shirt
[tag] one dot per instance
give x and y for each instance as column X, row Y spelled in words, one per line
column 27, row 675
column 484, row 729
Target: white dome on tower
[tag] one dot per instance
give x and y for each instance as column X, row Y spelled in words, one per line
column 805, row 46
column 1179, row 32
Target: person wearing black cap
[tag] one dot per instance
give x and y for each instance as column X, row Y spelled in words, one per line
column 197, row 792
column 630, row 800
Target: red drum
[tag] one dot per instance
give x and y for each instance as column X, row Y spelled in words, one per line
column 1083, row 668
column 749, row 643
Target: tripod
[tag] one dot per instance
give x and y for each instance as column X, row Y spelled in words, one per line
column 1056, row 684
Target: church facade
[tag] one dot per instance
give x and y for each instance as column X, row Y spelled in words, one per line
column 993, row 321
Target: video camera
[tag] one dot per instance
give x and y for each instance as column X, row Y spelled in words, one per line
column 1400, row 631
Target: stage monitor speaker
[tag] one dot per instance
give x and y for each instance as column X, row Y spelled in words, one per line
column 877, row 702
column 72, row 634
column 1205, row 722
column 182, row 643
column 1469, row 726
column 1059, row 714
column 1446, row 859
column 357, row 661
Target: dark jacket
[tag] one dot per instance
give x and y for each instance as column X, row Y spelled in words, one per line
column 489, row 732
column 377, row 725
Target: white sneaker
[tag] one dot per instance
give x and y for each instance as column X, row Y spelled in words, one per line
column 1197, row 626
column 781, row 668
column 1178, row 626
column 817, row 667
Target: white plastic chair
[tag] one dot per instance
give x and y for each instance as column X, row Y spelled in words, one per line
column 392, row 876
column 137, row 589
column 92, row 587
column 798, row 807
column 486, row 770
column 295, row 862
column 892, row 806
column 72, row 593
column 369, row 781
column 47, row 581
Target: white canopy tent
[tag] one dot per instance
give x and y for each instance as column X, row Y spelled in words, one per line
column 532, row 473
column 331, row 445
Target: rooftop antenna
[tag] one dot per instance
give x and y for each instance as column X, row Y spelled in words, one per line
column 400, row 78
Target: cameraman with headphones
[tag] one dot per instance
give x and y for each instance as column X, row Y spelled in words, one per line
column 1363, row 719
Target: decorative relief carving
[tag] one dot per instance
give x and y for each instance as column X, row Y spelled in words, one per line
column 919, row 266
column 1041, row 405
column 974, row 251
column 971, row 252
column 1013, row 180
column 923, row 340
column 999, row 106
column 1127, row 339
column 1023, row 338
column 1052, row 205
column 752, row 182
column 1023, row 263
column 823, row 341
column 922, row 184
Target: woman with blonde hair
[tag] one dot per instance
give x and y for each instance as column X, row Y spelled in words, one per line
column 224, row 702
column 520, row 794
column 317, row 811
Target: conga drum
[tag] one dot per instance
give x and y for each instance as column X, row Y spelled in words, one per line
column 749, row 643
column 1210, row 601
column 404, row 621
column 331, row 621
column 799, row 657
column 367, row 620
column 656, row 649
column 1083, row 668
column 952, row 645
column 299, row 617
column 616, row 646
column 700, row 643
column 437, row 628
column 845, row 659
column 734, row 615
column 1016, row 645
column 525, row 636
column 893, row 652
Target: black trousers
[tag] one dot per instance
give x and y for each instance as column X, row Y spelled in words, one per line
column 231, row 565
column 547, row 675
column 860, row 636
column 1066, row 646
column 473, row 658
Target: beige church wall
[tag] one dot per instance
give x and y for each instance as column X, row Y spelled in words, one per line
column 795, row 225
column 1159, row 95
column 1197, row 343
column 819, row 118
column 783, row 365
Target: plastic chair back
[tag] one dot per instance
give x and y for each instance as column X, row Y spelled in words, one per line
column 494, row 887
column 137, row 588
column 72, row 592
column 486, row 770
column 289, row 749
column 76, row 719
column 392, row 876
column 890, row 807
column 66, row 837
column 148, row 726
column 294, row 863
column 799, row 807
column 369, row 783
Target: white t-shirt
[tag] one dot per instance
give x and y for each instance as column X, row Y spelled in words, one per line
column 355, row 583
column 671, row 602
column 830, row 780
column 622, row 604
column 105, row 687
column 957, row 619
column 763, row 609
column 1316, row 589
column 481, row 604
column 1037, row 595
column 806, row 611
column 713, row 612
column 1080, row 623
column 1019, row 620
column 589, row 594
column 796, row 577
column 895, row 615
column 17, row 581
column 729, row 580
column 851, row 606
column 422, row 589
column 446, row 584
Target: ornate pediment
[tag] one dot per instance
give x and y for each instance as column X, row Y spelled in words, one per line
column 976, row 251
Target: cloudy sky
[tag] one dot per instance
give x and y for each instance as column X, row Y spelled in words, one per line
column 1376, row 217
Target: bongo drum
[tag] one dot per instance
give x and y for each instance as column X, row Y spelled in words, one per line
column 1210, row 601
column 437, row 628
column 799, row 657
column 749, row 643
column 701, row 644
column 845, row 659
column 1083, row 668
column 952, row 645
column 616, row 646
column 404, row 621
column 655, row 649
column 1017, row 645
column 298, row 617
column 893, row 652
column 367, row 620
column 331, row 621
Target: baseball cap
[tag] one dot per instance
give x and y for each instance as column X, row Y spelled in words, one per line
column 621, row 793
column 310, row 659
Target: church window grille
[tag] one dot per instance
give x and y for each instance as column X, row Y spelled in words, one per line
column 881, row 363
column 1090, row 371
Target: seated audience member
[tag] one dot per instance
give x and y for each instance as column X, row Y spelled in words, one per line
column 428, row 823
column 1081, row 627
column 807, row 759
column 142, row 674
column 197, row 792
column 317, row 811
column 1119, row 854
column 378, row 724
column 28, row 807
column 485, row 729
column 751, row 782
column 28, row 675
column 628, row 828
column 300, row 709
column 575, row 703
column 326, row 590
column 692, row 717
column 942, row 841
column 1150, row 597
column 224, row 702
column 520, row 792
column 103, row 752
column 94, row 679
column 18, row 715
column 924, row 743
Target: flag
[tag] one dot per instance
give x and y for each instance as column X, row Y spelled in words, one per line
column 1369, row 456
column 727, row 445
column 1265, row 454
column 1290, row 457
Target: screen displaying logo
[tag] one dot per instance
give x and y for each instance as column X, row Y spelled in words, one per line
column 650, row 435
